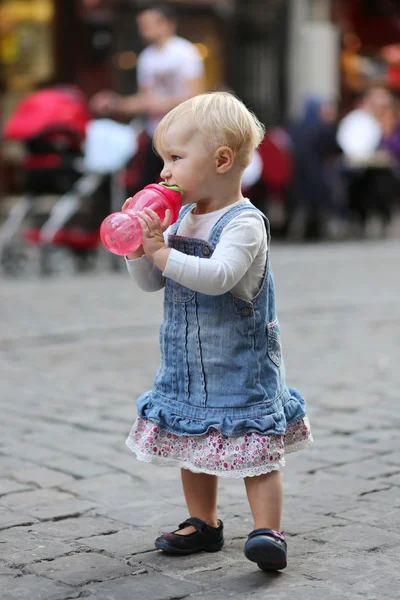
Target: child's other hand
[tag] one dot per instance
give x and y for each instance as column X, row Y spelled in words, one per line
column 153, row 242
column 125, row 204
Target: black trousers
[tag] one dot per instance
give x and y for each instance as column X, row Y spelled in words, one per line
column 372, row 191
column 152, row 167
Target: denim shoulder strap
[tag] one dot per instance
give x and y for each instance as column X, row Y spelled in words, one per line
column 231, row 214
column 182, row 214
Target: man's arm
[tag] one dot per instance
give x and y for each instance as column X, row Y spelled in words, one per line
column 157, row 105
column 109, row 103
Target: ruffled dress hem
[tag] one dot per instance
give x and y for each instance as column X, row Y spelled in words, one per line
column 248, row 455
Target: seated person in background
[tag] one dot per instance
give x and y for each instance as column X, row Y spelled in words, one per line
column 360, row 132
column 390, row 125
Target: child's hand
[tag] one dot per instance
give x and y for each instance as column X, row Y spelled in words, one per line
column 153, row 242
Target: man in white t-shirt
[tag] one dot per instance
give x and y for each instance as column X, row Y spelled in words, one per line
column 169, row 71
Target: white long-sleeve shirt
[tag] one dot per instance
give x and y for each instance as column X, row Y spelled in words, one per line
column 237, row 263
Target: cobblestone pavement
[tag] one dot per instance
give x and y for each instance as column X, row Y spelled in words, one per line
column 78, row 513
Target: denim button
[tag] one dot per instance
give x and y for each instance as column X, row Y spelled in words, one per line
column 206, row 251
column 245, row 312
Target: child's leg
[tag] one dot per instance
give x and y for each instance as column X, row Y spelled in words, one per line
column 265, row 494
column 266, row 545
column 201, row 497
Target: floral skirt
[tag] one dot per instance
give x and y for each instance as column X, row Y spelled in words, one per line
column 217, row 454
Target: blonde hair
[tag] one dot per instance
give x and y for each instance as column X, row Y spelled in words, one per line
column 222, row 118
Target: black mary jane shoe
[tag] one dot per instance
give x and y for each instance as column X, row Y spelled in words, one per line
column 204, row 539
column 267, row 548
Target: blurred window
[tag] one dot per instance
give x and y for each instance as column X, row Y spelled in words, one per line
column 26, row 49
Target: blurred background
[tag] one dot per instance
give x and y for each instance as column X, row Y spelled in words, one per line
column 323, row 75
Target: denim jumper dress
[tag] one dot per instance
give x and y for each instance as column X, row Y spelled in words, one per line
column 222, row 377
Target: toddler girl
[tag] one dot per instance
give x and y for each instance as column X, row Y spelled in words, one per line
column 220, row 406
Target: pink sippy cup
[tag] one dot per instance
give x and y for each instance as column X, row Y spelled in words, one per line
column 121, row 233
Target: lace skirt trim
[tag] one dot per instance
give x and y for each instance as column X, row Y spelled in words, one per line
column 217, row 454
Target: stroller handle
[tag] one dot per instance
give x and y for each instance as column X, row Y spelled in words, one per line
column 74, row 136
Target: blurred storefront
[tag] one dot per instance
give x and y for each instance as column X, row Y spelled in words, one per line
column 94, row 44
column 26, row 46
column 272, row 53
column 258, row 49
column 45, row 42
column 370, row 50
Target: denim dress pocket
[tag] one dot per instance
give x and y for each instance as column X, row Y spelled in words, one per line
column 274, row 343
column 177, row 292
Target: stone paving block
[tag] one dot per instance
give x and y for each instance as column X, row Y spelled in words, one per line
column 378, row 518
column 34, row 452
column 335, row 453
column 30, row 587
column 65, row 530
column 390, row 478
column 77, row 467
column 35, row 498
column 365, row 573
column 106, row 489
column 385, row 439
column 371, row 468
column 180, row 566
column 325, row 486
column 42, row 477
column 145, row 586
column 392, row 458
column 8, row 571
column 237, row 580
column 61, row 510
column 10, row 518
column 384, row 498
column 357, row 537
column 297, row 522
column 311, row 591
column 8, row 486
column 318, row 564
column 80, row 569
column 124, row 543
column 30, row 550
column 125, row 461
column 138, row 514
column 10, row 464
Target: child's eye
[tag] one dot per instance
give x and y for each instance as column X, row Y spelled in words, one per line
column 175, row 157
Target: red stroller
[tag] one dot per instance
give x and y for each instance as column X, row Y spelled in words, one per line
column 51, row 123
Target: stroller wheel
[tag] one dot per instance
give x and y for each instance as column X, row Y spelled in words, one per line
column 14, row 260
column 56, row 261
column 85, row 260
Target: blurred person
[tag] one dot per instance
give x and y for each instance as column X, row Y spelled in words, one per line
column 367, row 170
column 313, row 143
column 387, row 180
column 220, row 406
column 359, row 132
column 390, row 125
column 169, row 71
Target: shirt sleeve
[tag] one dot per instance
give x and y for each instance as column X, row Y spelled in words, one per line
column 144, row 71
column 192, row 63
column 240, row 242
column 145, row 273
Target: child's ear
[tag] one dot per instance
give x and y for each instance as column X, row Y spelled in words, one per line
column 224, row 158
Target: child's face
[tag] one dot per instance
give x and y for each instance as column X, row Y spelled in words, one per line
column 188, row 162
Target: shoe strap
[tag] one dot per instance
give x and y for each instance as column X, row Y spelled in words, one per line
column 278, row 535
column 200, row 526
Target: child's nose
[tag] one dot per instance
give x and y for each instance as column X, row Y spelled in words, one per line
column 165, row 174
